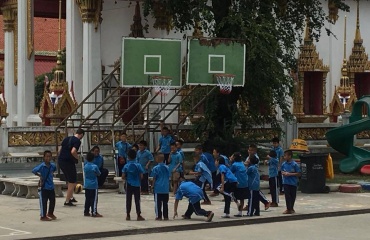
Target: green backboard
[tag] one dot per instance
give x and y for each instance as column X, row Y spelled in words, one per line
column 204, row 61
column 143, row 58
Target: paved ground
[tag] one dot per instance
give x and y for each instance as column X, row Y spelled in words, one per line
column 20, row 220
column 348, row 227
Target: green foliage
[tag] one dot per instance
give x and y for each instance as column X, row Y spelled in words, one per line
column 39, row 81
column 271, row 30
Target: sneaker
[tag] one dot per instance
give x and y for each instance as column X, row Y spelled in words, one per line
column 288, row 212
column 267, row 205
column 96, row 215
column 210, row 217
column 293, row 211
column 87, row 214
column 238, row 215
column 140, row 218
column 214, row 194
column 128, row 218
column 51, row 216
column 159, row 219
column 165, row 219
column 185, row 217
column 69, row 204
column 73, row 200
column 274, row 204
column 206, row 203
column 225, row 216
column 46, row 219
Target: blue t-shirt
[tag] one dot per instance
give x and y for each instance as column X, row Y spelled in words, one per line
column 91, row 172
column 189, row 190
column 143, row 157
column 279, row 151
column 273, row 167
column 161, row 174
column 123, row 148
column 175, row 158
column 132, row 171
column 240, row 172
column 211, row 162
column 291, row 167
column 204, row 159
column 206, row 174
column 67, row 144
column 179, row 150
column 98, row 161
column 165, row 143
column 43, row 170
column 228, row 175
column 253, row 178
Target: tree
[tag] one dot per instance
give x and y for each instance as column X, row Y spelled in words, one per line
column 270, row 29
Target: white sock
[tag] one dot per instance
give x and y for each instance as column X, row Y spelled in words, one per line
column 226, row 214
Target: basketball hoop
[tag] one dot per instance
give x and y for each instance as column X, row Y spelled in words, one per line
column 225, row 82
column 161, row 84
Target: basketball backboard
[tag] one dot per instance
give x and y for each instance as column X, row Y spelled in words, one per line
column 143, row 58
column 206, row 59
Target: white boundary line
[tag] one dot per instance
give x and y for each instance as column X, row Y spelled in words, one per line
column 14, row 233
column 159, row 67
column 210, row 56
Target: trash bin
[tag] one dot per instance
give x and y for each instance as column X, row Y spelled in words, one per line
column 313, row 167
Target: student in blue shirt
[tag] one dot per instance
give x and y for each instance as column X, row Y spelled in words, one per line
column 99, row 161
column 195, row 194
column 161, row 187
column 132, row 172
column 165, row 143
column 45, row 171
column 217, row 177
column 175, row 166
column 280, row 157
column 179, row 144
column 228, row 185
column 204, row 176
column 91, row 172
column 198, row 150
column 122, row 147
column 144, row 157
column 273, row 164
column 254, row 187
column 290, row 171
column 240, row 172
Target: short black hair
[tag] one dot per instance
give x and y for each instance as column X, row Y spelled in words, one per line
column 173, row 144
column 135, row 146
column 275, row 140
column 289, row 152
column 143, row 142
column 221, row 160
column 131, row 154
column 252, row 145
column 253, row 160
column 237, row 157
column 199, row 147
column 95, row 147
column 80, row 131
column 272, row 154
column 90, row 156
column 217, row 149
column 165, row 128
column 46, row 152
column 124, row 134
column 180, row 141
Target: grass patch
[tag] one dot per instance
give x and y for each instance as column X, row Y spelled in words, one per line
column 345, row 178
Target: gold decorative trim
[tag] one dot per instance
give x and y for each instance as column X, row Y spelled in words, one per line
column 333, row 11
column 90, row 11
column 258, row 134
column 19, row 139
column 312, row 133
column 9, row 11
column 30, row 39
column 16, row 50
column 363, row 135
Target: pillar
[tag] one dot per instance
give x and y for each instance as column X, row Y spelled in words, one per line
column 9, row 11
column 92, row 71
column 74, row 49
column 26, row 78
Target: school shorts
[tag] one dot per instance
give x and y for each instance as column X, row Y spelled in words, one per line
column 242, row 193
column 69, row 170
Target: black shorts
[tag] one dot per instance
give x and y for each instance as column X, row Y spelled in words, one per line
column 242, row 193
column 69, row 170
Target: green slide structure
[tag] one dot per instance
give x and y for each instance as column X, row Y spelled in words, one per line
column 341, row 138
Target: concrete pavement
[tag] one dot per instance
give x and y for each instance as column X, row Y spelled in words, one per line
column 20, row 217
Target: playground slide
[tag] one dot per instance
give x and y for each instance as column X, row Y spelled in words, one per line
column 341, row 139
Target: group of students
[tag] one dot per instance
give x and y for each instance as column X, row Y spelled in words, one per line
column 237, row 180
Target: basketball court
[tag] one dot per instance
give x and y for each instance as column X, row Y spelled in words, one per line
column 10, row 233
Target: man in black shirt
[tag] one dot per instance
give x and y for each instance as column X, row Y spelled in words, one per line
column 67, row 160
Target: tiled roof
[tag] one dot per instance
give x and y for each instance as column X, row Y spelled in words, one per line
column 42, row 67
column 45, row 34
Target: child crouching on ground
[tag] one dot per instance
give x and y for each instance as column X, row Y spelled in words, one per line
column 46, row 187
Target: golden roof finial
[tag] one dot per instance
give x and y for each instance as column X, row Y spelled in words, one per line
column 358, row 33
column 344, row 80
column 307, row 37
column 59, row 74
